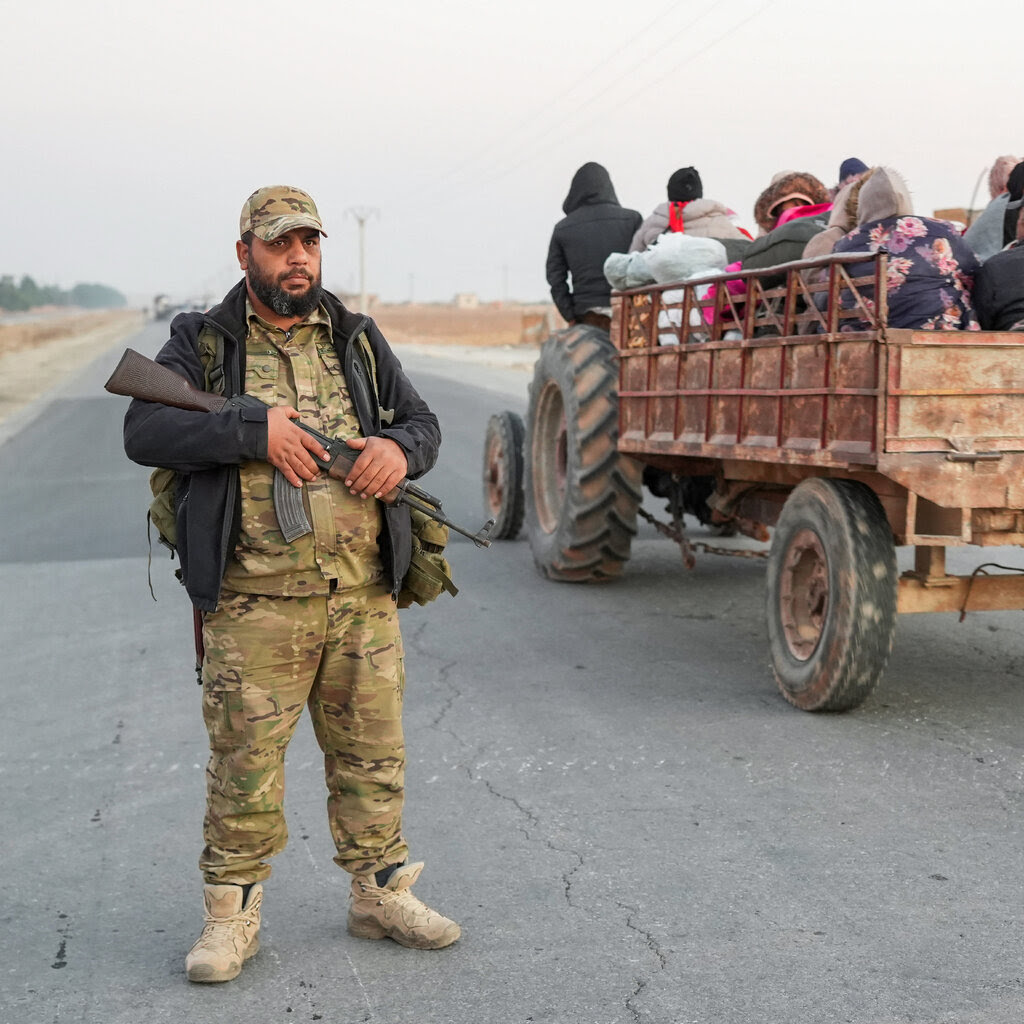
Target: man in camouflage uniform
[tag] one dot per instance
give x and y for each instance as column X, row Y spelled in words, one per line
column 308, row 622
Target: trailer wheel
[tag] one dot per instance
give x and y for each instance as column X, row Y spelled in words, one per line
column 831, row 594
column 503, row 474
column 581, row 494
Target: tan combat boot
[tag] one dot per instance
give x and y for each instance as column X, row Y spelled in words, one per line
column 231, row 934
column 393, row 912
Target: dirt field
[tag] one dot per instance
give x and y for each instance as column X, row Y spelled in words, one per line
column 37, row 354
column 20, row 335
column 491, row 325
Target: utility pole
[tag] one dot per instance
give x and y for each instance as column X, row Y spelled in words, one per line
column 974, row 195
column 362, row 214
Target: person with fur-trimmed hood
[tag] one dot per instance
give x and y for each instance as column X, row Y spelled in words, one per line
column 789, row 212
column 930, row 269
column 689, row 212
column 594, row 227
column 842, row 219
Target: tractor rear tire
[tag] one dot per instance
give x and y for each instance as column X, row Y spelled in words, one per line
column 582, row 496
column 503, row 474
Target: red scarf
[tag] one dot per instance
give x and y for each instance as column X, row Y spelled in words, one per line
column 675, row 216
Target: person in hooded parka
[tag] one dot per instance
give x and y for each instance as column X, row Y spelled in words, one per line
column 687, row 211
column 930, row 271
column 595, row 225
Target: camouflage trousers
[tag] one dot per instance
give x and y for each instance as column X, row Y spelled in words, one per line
column 267, row 658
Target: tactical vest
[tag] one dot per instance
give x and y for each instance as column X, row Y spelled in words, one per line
column 429, row 571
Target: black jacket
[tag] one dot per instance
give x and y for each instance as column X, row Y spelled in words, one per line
column 782, row 245
column 206, row 450
column 999, row 290
column 595, row 226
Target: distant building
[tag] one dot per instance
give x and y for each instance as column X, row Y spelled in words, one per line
column 466, row 300
column 353, row 300
column 959, row 215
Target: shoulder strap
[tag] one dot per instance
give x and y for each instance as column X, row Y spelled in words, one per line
column 163, row 482
column 211, row 354
column 387, row 416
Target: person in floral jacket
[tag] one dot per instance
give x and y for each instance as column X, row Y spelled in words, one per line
column 930, row 269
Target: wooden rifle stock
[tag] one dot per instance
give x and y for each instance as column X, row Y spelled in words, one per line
column 135, row 376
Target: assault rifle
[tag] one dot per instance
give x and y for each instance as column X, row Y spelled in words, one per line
column 135, row 376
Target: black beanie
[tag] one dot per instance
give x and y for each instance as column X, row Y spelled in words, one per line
column 685, row 185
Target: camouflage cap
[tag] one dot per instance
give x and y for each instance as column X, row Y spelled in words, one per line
column 274, row 209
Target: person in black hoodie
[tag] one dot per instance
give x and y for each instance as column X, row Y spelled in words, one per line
column 594, row 226
column 1015, row 196
column 999, row 287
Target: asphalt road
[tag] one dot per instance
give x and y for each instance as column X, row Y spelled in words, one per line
column 628, row 821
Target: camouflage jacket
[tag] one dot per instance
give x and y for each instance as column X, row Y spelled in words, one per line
column 206, row 450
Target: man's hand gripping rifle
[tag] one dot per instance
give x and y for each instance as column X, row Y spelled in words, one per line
column 138, row 377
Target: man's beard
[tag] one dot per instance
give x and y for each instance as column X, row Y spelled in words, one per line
column 271, row 294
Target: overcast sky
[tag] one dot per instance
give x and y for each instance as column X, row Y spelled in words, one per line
column 133, row 131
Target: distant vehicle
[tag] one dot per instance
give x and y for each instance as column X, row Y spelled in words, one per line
column 164, row 308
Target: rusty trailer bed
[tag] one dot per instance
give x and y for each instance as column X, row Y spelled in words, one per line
column 799, row 376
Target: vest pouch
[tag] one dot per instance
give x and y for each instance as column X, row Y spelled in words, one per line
column 163, row 484
column 429, row 571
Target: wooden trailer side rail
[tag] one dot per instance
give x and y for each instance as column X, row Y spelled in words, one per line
column 776, row 377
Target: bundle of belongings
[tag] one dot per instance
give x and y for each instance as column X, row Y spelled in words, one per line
column 673, row 257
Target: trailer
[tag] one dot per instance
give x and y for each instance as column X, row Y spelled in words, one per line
column 779, row 404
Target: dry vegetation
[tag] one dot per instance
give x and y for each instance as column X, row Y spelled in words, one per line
column 21, row 335
column 37, row 355
column 490, row 325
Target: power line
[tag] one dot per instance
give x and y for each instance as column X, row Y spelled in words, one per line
column 697, row 53
column 535, row 151
column 587, row 76
column 558, row 121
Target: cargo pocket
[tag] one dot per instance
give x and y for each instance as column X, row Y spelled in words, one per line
column 223, row 705
column 224, row 714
